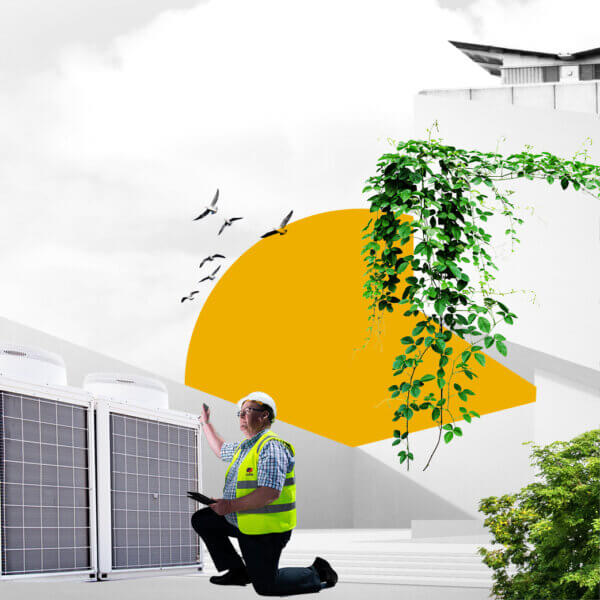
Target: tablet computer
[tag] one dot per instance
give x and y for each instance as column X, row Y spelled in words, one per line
column 198, row 497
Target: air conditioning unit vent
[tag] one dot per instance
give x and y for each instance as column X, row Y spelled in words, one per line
column 14, row 352
column 32, row 365
column 132, row 389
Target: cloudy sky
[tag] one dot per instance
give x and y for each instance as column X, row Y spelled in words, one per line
column 120, row 118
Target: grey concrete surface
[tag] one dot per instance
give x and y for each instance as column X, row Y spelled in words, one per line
column 159, row 588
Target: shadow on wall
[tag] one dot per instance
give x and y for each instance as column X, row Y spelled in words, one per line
column 386, row 499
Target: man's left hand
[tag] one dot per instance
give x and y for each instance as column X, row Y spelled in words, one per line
column 222, row 506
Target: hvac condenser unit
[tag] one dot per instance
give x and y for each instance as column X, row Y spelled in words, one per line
column 148, row 457
column 47, row 482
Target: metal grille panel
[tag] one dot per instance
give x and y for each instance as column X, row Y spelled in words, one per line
column 44, row 485
column 153, row 465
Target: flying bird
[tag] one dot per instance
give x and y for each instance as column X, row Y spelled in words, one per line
column 209, row 210
column 210, row 258
column 281, row 230
column 211, row 276
column 190, row 297
column 228, row 222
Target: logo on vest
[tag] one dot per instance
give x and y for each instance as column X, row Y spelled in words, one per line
column 249, row 471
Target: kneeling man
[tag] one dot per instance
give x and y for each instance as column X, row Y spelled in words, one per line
column 258, row 507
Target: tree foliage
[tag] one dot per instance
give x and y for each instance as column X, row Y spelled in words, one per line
column 441, row 198
column 549, row 530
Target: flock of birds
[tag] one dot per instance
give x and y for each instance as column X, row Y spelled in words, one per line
column 211, row 209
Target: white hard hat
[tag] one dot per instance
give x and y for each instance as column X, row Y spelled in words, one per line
column 259, row 397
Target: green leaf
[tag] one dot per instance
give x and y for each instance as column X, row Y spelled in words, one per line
column 501, row 348
column 448, row 436
column 488, row 341
column 475, row 414
column 458, row 431
column 407, row 340
column 417, row 330
column 447, row 427
column 480, row 358
column 427, row 378
column 415, row 391
column 484, row 324
column 440, row 306
column 396, row 442
column 435, row 414
column 564, row 183
column 396, row 433
column 467, row 417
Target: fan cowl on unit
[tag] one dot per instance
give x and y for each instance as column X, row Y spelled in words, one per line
column 130, row 389
column 32, row 365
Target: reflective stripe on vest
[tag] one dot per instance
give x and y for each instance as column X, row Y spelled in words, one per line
column 270, row 508
column 246, row 485
column 279, row 515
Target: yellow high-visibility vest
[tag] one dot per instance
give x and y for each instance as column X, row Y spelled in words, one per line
column 276, row 517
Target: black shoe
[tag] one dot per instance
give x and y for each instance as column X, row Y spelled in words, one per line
column 232, row 577
column 326, row 574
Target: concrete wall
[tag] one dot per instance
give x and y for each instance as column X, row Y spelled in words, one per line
column 564, row 408
column 578, row 97
column 553, row 344
column 559, row 254
column 489, row 460
column 324, row 467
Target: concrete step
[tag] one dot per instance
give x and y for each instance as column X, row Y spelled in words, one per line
column 374, row 561
column 454, row 581
column 396, row 557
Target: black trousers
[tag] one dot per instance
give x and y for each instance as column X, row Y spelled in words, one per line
column 261, row 556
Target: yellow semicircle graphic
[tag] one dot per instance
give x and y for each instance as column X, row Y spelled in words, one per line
column 289, row 318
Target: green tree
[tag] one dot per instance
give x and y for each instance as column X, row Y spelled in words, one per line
column 550, row 529
column 441, row 198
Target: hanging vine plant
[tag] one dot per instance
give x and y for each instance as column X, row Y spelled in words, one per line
column 441, row 198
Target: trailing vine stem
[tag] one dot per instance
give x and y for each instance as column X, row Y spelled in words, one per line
column 440, row 198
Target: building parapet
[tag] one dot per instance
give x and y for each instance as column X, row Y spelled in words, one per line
column 581, row 97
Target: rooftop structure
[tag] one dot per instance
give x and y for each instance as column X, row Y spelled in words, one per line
column 527, row 66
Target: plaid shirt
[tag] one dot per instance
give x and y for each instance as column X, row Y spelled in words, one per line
column 275, row 461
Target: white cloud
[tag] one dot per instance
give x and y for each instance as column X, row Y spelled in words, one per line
column 106, row 158
column 543, row 25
